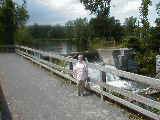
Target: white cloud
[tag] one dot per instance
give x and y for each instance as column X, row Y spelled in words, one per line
column 72, row 9
column 60, row 11
column 131, row 6
column 68, row 8
column 122, row 9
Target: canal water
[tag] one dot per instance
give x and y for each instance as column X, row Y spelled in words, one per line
column 56, row 46
column 66, row 48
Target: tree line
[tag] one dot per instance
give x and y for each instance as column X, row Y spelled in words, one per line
column 81, row 30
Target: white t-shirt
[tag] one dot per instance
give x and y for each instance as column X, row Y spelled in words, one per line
column 80, row 71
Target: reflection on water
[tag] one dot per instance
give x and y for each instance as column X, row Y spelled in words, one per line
column 57, row 46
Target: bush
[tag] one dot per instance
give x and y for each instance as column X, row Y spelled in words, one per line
column 147, row 63
column 23, row 37
column 132, row 42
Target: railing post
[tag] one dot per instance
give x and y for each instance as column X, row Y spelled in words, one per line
column 20, row 49
column 71, row 69
column 102, row 80
column 50, row 58
column 33, row 55
column 70, row 66
column 39, row 58
column 50, row 61
column 26, row 51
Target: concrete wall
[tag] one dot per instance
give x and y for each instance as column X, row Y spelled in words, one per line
column 122, row 58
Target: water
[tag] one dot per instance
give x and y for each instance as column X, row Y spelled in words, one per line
column 116, row 81
column 62, row 47
column 66, row 47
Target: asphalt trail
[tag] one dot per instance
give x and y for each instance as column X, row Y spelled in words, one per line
column 34, row 94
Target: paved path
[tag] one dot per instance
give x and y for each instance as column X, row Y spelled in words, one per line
column 33, row 94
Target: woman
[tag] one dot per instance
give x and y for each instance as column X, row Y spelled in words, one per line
column 80, row 72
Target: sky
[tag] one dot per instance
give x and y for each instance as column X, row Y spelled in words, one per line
column 53, row 12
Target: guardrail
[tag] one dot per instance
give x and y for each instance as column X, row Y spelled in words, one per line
column 134, row 101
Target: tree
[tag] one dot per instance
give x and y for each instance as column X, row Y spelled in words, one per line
column 158, row 8
column 40, row 31
column 144, row 9
column 23, row 37
column 132, row 35
column 155, row 39
column 21, row 15
column 106, row 27
column 117, row 31
column 69, row 30
column 157, row 22
column 7, row 22
column 1, row 25
column 158, row 12
column 132, row 42
column 155, row 34
column 130, row 25
column 82, row 33
column 97, row 7
column 57, row 31
column 1, row 3
column 12, row 17
column 47, row 31
column 146, row 53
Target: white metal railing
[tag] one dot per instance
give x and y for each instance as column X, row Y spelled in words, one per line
column 129, row 99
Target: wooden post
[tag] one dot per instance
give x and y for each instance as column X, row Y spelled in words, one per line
column 39, row 57
column 103, row 80
column 70, row 66
column 20, row 49
column 33, row 56
column 50, row 58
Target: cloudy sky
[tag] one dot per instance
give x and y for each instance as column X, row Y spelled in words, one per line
column 60, row 11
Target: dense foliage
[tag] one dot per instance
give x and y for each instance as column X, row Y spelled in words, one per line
column 12, row 17
column 97, row 7
column 145, row 40
column 144, row 11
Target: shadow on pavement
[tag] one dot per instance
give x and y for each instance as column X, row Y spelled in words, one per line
column 5, row 113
